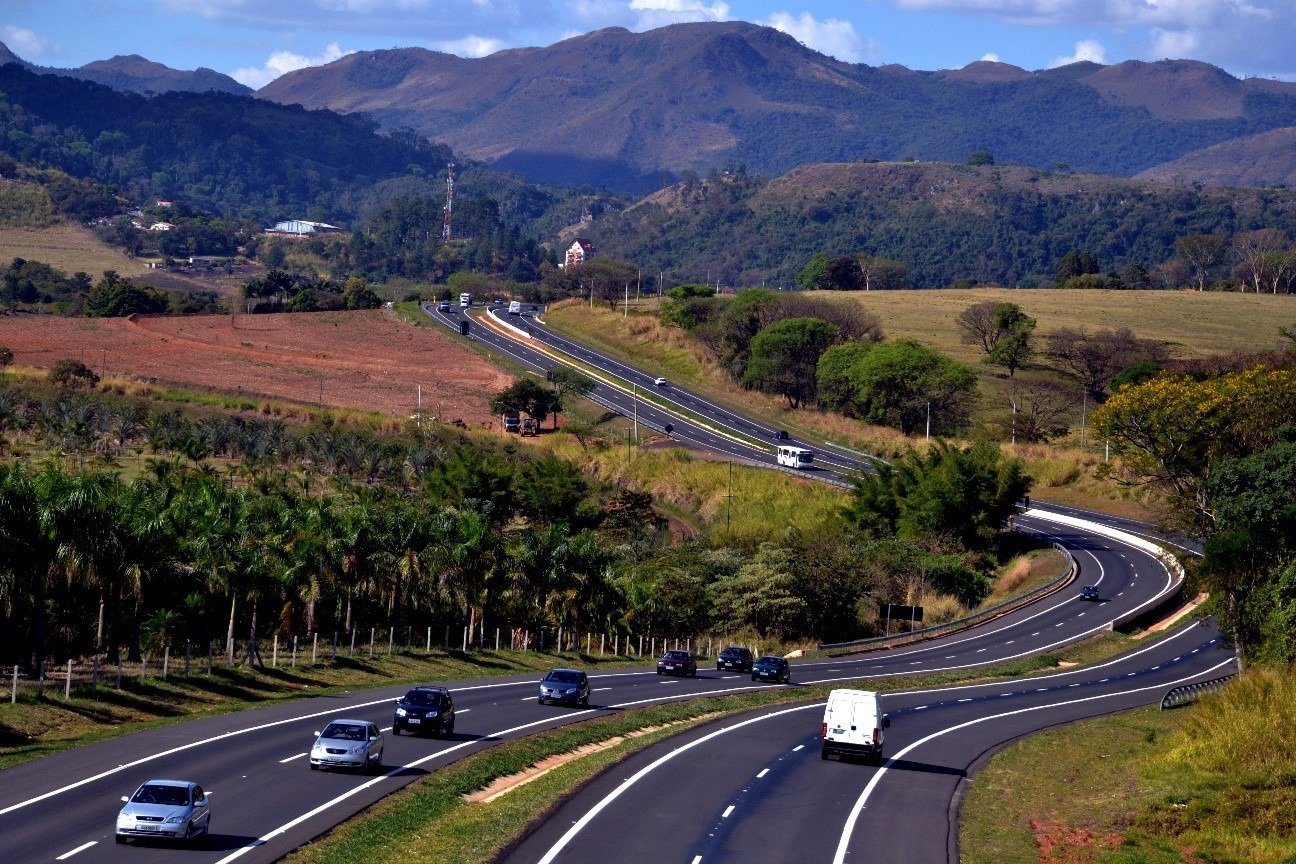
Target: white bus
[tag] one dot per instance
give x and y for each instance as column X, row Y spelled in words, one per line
column 465, row 299
column 795, row 457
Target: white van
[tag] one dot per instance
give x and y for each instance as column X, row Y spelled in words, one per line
column 853, row 724
column 795, row 457
column 515, row 307
column 465, row 299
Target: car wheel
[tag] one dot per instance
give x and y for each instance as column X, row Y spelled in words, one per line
column 540, row 701
column 119, row 838
column 755, row 677
column 450, row 731
column 823, row 752
column 659, row 671
column 584, row 701
column 396, row 730
column 377, row 766
column 314, row 767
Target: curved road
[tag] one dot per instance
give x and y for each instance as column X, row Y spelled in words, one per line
column 266, row 801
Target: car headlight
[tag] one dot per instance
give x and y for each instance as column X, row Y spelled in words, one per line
column 400, row 712
column 432, row 712
column 179, row 817
column 571, row 692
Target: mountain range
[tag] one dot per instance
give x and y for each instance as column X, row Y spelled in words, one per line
column 623, row 110
column 132, row 73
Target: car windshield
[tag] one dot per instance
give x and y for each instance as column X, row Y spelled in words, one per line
column 771, row 661
column 344, row 732
column 150, row 793
column 677, row 655
column 733, row 652
column 564, row 676
column 422, row 697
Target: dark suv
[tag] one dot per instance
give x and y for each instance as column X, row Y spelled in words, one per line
column 770, row 668
column 564, row 685
column 677, row 663
column 735, row 658
column 1090, row 592
column 425, row 710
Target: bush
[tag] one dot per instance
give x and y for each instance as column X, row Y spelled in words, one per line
column 72, row 373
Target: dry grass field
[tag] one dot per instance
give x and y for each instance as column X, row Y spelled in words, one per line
column 1194, row 324
column 67, row 247
column 368, row 361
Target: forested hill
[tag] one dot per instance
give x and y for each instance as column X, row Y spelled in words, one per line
column 989, row 224
column 232, row 155
column 619, row 109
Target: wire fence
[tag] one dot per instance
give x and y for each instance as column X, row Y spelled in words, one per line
column 1012, row 604
column 88, row 677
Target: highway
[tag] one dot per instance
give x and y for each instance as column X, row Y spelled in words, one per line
column 266, row 802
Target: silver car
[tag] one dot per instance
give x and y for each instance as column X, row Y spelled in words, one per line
column 348, row 744
column 168, row 809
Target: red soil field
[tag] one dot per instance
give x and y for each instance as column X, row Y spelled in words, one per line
column 369, row 361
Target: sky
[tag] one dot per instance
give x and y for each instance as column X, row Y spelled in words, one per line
column 255, row 41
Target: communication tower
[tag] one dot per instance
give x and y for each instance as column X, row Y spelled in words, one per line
column 448, row 211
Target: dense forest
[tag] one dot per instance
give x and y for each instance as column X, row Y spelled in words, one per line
column 947, row 224
column 225, row 154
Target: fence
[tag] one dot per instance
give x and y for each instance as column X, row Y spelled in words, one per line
column 1187, row 693
column 878, row 642
column 89, row 677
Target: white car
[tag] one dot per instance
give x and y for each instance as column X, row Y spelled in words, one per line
column 660, row 382
column 166, row 809
column 348, row 744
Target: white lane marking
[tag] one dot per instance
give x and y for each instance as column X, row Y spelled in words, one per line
column 798, row 748
column 334, row 712
column 728, row 810
column 292, row 823
column 597, row 689
column 81, row 848
column 599, row 807
column 762, row 773
column 526, row 698
column 1010, row 641
column 282, row 761
column 385, row 729
column 1036, row 633
column 969, row 699
column 980, row 650
column 849, row 828
column 697, row 859
column 1081, row 615
column 463, row 710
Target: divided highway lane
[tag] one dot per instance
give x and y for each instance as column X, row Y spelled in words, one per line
column 754, row 787
column 266, row 801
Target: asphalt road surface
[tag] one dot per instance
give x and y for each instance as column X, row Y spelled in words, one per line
column 265, row 800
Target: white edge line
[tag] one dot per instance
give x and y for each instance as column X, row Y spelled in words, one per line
column 849, row 828
column 81, row 848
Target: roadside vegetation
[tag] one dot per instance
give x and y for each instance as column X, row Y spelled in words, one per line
column 1210, row 782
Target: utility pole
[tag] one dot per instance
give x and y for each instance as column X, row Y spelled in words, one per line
column 626, row 313
column 928, row 419
column 1014, row 421
column 635, row 390
column 729, row 504
column 1084, row 416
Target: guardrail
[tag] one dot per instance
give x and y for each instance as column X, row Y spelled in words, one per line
column 1010, row 605
column 1188, row 693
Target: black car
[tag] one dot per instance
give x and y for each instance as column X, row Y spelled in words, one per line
column 736, row 658
column 428, row 710
column 1089, row 592
column 770, row 668
column 780, row 435
column 677, row 663
column 570, row 686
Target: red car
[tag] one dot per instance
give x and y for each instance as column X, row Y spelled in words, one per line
column 677, row 663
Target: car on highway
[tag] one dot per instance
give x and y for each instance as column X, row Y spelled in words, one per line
column 1089, row 592
column 771, row 668
column 734, row 657
column 443, row 306
column 659, row 382
column 569, row 686
column 677, row 663
column 346, row 743
column 780, row 435
column 164, row 809
column 427, row 710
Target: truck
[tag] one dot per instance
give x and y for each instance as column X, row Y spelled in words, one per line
column 511, row 422
column 854, row 725
column 515, row 307
column 530, row 426
column 465, row 299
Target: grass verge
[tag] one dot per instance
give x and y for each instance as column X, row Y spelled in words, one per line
column 1213, row 782
column 430, row 820
column 30, row 729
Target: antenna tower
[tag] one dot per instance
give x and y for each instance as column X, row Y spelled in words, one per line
column 448, row 211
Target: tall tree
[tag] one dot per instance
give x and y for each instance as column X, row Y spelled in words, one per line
column 1203, row 253
column 784, row 357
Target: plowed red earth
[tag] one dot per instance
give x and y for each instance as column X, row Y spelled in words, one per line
column 363, row 360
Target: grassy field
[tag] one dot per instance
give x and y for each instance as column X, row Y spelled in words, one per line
column 1069, row 471
column 1215, row 782
column 69, row 248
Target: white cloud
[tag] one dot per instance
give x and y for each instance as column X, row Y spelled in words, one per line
column 24, row 42
column 991, row 57
column 1086, row 49
column 642, row 15
column 1248, row 37
column 282, row 62
column 470, row 46
column 834, row 37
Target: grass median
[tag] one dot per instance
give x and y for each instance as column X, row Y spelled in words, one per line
column 433, row 820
